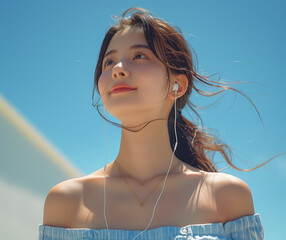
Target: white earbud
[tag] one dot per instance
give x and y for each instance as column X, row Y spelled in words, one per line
column 175, row 87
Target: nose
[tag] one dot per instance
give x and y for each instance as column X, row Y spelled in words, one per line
column 119, row 71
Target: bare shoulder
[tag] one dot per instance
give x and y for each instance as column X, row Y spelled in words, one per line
column 232, row 195
column 61, row 203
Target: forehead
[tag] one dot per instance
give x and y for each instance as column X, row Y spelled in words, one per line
column 126, row 37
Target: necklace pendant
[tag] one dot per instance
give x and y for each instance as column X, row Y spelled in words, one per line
column 141, row 204
column 141, row 183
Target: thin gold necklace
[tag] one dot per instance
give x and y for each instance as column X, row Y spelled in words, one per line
column 141, row 203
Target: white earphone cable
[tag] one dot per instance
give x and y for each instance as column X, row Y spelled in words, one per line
column 104, row 187
column 175, row 147
column 175, row 88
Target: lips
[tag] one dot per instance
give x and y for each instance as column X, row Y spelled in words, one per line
column 122, row 87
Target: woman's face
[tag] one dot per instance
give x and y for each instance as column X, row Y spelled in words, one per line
column 129, row 60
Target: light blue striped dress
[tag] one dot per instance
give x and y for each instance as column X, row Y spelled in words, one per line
column 244, row 228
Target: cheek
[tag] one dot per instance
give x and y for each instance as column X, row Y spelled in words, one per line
column 155, row 73
column 103, row 84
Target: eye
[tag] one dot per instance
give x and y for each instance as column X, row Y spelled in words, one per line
column 140, row 56
column 107, row 62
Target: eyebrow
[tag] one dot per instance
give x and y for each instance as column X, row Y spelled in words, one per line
column 132, row 47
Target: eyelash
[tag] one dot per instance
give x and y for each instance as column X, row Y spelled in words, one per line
column 139, row 53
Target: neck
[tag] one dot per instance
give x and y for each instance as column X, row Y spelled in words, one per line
column 146, row 153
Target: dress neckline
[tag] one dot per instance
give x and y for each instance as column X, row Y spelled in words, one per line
column 219, row 225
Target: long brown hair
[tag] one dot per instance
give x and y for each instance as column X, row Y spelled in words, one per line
column 169, row 46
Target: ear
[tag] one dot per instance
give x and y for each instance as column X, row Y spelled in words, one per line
column 183, row 83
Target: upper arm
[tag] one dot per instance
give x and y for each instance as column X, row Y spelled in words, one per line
column 61, row 204
column 233, row 197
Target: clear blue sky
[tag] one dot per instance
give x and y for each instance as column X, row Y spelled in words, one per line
column 48, row 54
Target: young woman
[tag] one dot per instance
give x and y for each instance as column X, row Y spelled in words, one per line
column 162, row 185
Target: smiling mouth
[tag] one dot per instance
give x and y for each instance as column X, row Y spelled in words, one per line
column 119, row 90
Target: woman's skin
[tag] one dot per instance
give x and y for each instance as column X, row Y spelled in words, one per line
column 146, row 153
column 191, row 196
